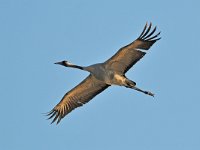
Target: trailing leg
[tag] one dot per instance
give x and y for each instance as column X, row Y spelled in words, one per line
column 145, row 92
column 132, row 85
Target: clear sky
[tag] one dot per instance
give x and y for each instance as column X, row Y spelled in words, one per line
column 36, row 33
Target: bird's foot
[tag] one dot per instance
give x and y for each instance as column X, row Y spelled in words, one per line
column 149, row 93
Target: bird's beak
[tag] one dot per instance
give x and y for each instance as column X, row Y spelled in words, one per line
column 59, row 63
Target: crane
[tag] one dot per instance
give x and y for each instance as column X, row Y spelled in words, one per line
column 103, row 75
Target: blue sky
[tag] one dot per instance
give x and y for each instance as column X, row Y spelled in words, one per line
column 36, row 33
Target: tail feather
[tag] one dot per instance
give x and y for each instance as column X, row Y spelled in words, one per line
column 129, row 83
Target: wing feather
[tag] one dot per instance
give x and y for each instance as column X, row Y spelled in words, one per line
column 76, row 97
column 130, row 54
column 149, row 28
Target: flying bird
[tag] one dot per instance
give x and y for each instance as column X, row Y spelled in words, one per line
column 103, row 75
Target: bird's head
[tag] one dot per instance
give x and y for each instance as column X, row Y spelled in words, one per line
column 64, row 63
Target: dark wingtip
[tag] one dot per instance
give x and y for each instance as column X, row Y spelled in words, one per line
column 51, row 114
column 56, row 117
column 143, row 30
column 152, row 32
column 153, row 37
column 158, row 39
column 147, row 33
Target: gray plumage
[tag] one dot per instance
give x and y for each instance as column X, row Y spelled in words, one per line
column 103, row 75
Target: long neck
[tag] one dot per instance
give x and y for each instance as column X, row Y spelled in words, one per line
column 75, row 66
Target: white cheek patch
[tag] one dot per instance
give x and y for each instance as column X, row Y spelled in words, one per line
column 68, row 63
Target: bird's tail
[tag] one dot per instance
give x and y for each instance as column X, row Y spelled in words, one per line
column 129, row 83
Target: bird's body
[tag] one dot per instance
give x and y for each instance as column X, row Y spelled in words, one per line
column 103, row 75
column 98, row 71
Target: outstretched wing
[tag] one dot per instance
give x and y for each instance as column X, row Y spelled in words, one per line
column 76, row 97
column 128, row 55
